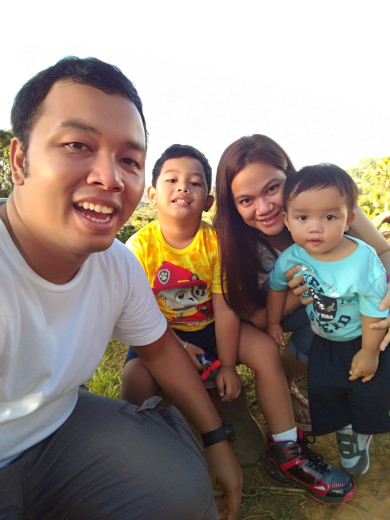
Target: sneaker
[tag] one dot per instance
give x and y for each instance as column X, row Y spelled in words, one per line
column 354, row 450
column 292, row 463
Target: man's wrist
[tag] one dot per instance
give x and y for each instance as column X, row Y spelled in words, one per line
column 223, row 433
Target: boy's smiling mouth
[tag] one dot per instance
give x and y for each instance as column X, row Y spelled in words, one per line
column 181, row 201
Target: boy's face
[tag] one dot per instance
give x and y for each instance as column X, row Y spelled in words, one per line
column 317, row 219
column 83, row 173
column 181, row 189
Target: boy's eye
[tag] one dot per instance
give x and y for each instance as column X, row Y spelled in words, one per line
column 195, row 183
column 171, row 180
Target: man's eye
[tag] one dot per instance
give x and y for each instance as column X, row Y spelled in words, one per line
column 171, row 180
column 78, row 146
column 129, row 161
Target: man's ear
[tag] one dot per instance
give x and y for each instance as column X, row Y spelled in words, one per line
column 350, row 219
column 151, row 191
column 18, row 162
column 285, row 219
column 209, row 202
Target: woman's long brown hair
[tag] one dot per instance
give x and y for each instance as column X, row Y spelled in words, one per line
column 239, row 243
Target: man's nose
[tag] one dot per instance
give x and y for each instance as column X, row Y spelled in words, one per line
column 106, row 172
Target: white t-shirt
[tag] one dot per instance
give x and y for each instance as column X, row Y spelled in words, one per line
column 52, row 337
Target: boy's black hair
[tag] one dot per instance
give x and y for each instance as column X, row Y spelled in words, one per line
column 176, row 151
column 321, row 175
column 87, row 71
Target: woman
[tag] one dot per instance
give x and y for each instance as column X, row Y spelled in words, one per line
column 250, row 179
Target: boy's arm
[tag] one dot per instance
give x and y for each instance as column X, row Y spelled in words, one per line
column 365, row 362
column 227, row 333
column 276, row 301
column 174, row 373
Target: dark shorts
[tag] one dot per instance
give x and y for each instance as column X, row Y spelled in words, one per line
column 203, row 338
column 335, row 401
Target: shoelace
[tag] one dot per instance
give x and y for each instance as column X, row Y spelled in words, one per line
column 315, row 461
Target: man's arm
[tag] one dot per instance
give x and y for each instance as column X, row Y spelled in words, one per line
column 276, row 301
column 227, row 332
column 365, row 362
column 175, row 374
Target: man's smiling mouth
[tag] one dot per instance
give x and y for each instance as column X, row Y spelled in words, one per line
column 96, row 212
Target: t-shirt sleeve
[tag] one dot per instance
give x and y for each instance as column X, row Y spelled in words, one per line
column 277, row 280
column 141, row 321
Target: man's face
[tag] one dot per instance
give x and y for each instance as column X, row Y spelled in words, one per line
column 84, row 170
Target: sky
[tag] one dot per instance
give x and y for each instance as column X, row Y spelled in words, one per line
column 313, row 75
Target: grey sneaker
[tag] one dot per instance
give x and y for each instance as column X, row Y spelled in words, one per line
column 354, row 451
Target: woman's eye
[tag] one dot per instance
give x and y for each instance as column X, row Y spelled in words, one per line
column 273, row 187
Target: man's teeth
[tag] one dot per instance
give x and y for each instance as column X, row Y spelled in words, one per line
column 95, row 207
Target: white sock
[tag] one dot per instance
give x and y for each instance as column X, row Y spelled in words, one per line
column 289, row 435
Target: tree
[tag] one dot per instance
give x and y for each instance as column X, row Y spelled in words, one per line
column 5, row 168
column 373, row 178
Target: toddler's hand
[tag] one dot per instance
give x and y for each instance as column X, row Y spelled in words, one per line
column 364, row 364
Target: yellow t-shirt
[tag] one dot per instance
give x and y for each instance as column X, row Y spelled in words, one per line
column 182, row 280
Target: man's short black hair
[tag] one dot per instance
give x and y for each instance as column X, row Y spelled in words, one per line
column 87, row 71
column 176, row 151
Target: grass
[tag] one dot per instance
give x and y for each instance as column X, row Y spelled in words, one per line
column 264, row 500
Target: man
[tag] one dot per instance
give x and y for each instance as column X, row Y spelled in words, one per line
column 78, row 161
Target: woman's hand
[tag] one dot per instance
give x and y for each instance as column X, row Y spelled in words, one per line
column 385, row 323
column 297, row 284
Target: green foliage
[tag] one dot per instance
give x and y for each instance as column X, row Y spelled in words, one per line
column 5, row 169
column 107, row 378
column 373, row 178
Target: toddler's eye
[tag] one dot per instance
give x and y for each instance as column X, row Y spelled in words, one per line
column 302, row 217
column 330, row 217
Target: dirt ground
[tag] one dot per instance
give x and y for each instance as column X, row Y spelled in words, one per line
column 263, row 500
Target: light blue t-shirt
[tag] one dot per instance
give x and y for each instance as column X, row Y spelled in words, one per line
column 342, row 291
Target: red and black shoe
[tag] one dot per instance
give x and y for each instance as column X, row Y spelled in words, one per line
column 294, row 464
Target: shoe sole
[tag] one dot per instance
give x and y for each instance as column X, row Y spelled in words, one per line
column 279, row 478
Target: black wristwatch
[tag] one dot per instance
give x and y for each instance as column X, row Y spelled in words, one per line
column 223, row 433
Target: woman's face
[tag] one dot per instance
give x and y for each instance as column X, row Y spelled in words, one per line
column 258, row 196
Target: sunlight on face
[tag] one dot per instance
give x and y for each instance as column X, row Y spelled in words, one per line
column 257, row 192
column 317, row 220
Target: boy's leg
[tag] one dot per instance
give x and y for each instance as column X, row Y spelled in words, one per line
column 370, row 405
column 111, row 460
column 137, row 382
column 250, row 443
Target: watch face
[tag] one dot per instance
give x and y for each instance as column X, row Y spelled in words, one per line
column 229, row 431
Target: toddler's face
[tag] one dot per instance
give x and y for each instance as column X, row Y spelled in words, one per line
column 317, row 220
